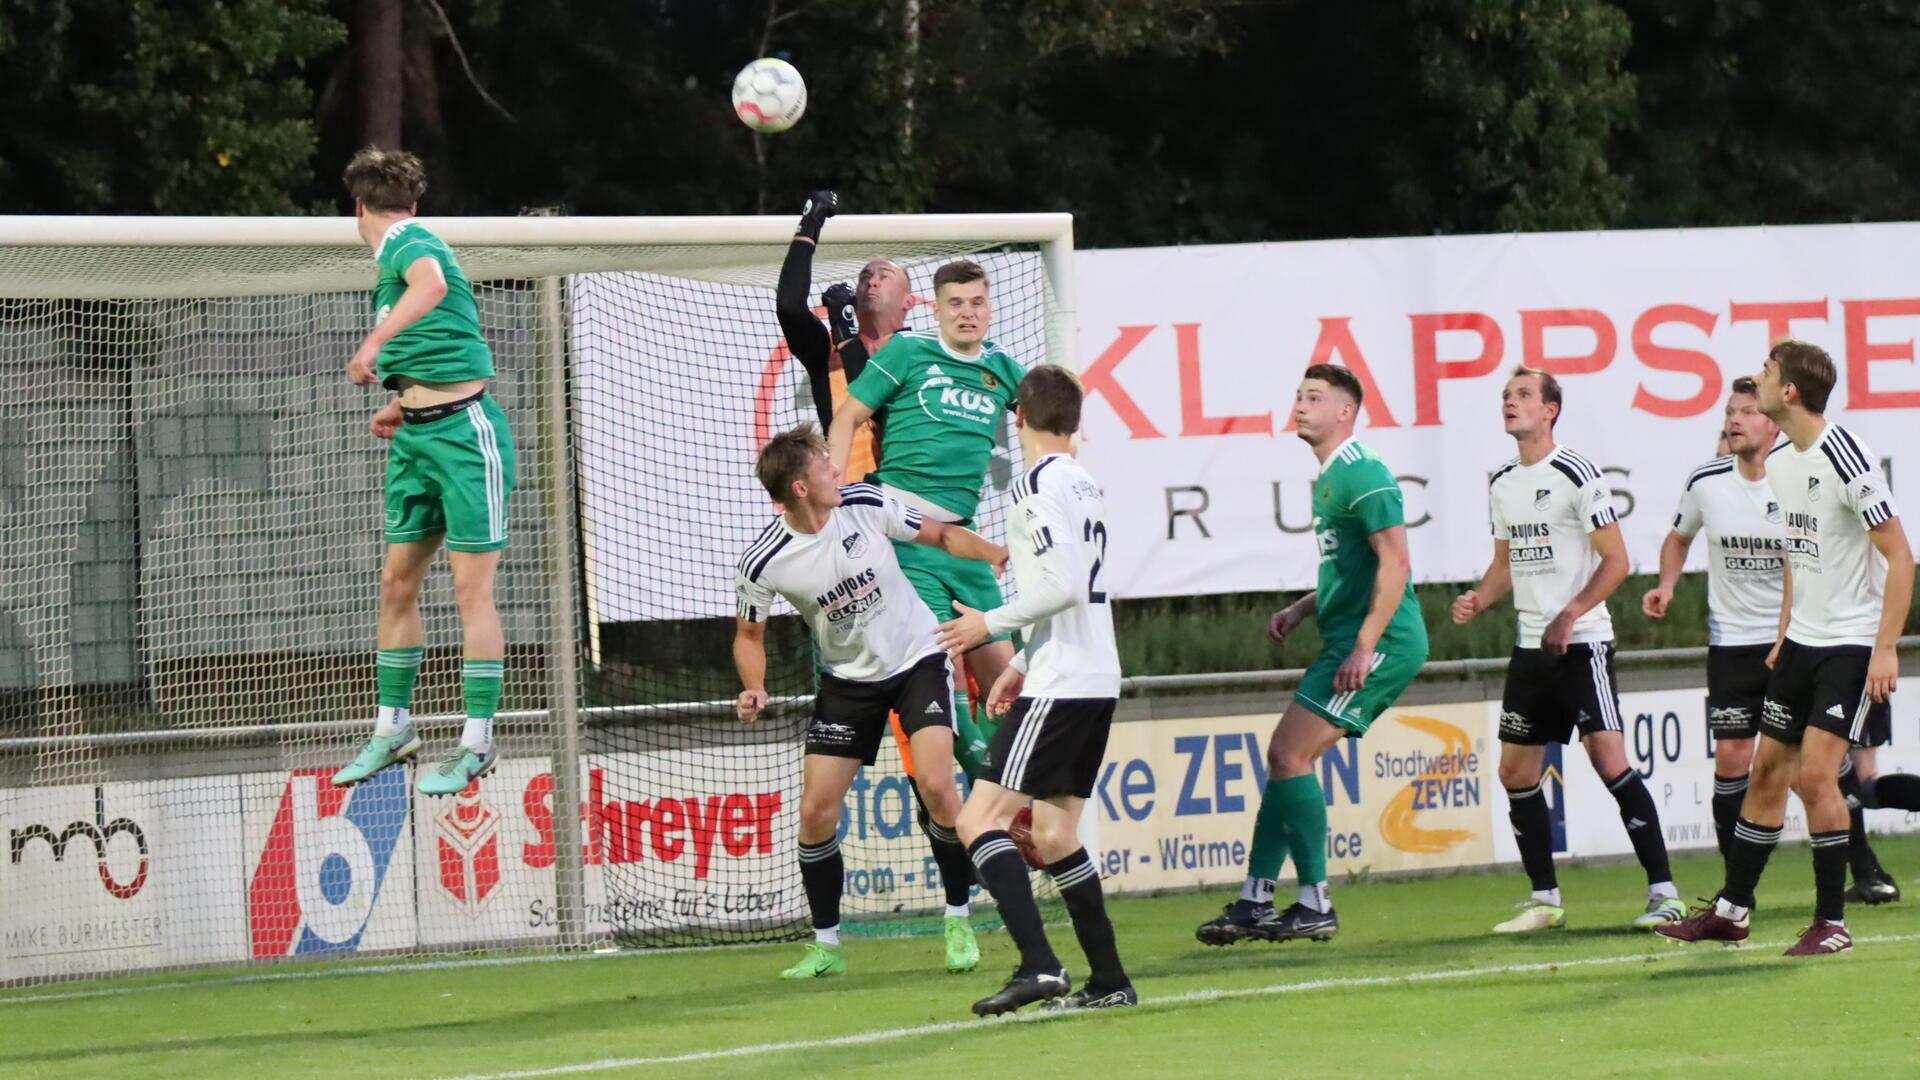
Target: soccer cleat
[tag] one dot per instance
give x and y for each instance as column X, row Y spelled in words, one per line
column 819, row 961
column 1241, row 920
column 1534, row 915
column 963, row 951
column 1661, row 911
column 379, row 752
column 456, row 769
column 1023, row 989
column 1706, row 924
column 1083, row 999
column 1301, row 921
column 1821, row 939
column 1879, row 889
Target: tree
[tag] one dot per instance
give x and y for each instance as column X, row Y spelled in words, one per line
column 159, row 106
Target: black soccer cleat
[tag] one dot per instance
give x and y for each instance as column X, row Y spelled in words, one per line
column 1242, row 920
column 1085, row 999
column 1024, row 989
column 1301, row 921
column 1879, row 889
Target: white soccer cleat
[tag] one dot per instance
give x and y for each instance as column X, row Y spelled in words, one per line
column 1534, row 915
column 1661, row 911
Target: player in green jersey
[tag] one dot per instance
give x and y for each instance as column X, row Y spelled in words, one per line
column 1375, row 644
column 946, row 393
column 449, row 472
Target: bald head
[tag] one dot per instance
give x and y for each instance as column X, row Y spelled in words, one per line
column 880, row 296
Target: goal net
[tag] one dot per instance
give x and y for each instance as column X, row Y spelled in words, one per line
column 189, row 575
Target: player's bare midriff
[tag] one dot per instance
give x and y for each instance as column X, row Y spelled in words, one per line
column 415, row 394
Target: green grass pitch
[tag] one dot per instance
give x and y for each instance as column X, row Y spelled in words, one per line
column 1413, row 986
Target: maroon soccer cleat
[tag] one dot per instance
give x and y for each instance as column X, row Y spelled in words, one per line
column 1706, row 924
column 1822, row 939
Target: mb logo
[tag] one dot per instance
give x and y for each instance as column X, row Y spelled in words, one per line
column 99, row 834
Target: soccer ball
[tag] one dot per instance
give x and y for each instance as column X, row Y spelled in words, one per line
column 769, row 95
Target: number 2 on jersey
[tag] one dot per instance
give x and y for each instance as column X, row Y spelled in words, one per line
column 1096, row 532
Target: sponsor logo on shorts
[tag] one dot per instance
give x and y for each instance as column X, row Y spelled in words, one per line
column 1514, row 723
column 1837, row 712
column 1775, row 714
column 828, row 733
column 935, row 707
column 1729, row 714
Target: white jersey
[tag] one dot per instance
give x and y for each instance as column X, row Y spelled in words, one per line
column 1831, row 494
column 1745, row 551
column 1058, row 542
column 1545, row 512
column 868, row 623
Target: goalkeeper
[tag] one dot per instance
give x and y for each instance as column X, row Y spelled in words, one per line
column 945, row 393
column 449, row 472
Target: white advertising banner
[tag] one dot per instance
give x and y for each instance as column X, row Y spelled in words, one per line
column 1191, row 357
column 120, row 877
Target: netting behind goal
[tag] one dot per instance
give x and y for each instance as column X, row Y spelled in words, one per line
column 189, row 556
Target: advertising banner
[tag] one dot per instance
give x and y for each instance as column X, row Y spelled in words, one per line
column 1191, row 357
column 121, row 877
column 1177, row 798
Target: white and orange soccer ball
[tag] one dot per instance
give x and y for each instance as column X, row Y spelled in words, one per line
column 769, row 95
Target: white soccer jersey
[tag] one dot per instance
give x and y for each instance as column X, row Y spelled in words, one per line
column 1058, row 543
column 1831, row 494
column 1745, row 551
column 1545, row 512
column 868, row 623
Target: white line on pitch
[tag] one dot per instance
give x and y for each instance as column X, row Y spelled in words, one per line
column 1189, row 998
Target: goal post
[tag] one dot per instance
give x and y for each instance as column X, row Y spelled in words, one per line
column 189, row 553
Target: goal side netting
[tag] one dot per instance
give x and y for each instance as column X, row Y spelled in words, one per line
column 189, row 582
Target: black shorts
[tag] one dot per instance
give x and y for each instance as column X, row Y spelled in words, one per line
column 1824, row 687
column 850, row 718
column 1550, row 697
column 1736, row 685
column 1050, row 746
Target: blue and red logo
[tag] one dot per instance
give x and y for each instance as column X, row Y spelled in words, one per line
column 325, row 861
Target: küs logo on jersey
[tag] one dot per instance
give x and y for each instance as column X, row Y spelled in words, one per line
column 325, row 861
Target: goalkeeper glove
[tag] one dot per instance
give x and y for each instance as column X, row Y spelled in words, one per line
column 841, row 323
column 821, row 205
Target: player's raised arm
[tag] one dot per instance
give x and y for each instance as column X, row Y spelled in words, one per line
column 426, row 287
column 807, row 338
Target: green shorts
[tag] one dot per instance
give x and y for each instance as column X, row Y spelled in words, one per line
column 940, row 579
column 1355, row 710
column 452, row 475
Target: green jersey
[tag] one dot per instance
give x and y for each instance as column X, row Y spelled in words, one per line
column 444, row 345
column 1355, row 497
column 945, row 413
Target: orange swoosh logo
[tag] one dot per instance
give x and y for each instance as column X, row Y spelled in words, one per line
column 1397, row 825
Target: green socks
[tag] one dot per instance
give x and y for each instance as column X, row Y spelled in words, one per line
column 395, row 672
column 1292, row 820
column 480, row 681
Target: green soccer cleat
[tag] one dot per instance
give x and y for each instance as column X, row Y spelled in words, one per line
column 456, row 769
column 963, row 951
column 379, row 752
column 1534, row 915
column 819, row 961
column 1661, row 911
